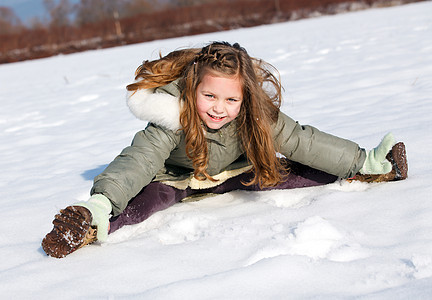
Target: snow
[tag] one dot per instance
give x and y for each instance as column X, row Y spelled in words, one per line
column 356, row 75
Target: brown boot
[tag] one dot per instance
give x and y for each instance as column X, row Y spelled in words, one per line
column 398, row 159
column 72, row 230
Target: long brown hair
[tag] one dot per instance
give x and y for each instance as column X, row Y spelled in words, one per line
column 259, row 109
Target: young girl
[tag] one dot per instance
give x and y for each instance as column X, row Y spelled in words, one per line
column 214, row 126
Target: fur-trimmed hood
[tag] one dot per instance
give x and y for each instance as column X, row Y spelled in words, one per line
column 159, row 108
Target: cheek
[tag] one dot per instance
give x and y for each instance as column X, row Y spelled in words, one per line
column 235, row 111
column 200, row 104
column 202, row 107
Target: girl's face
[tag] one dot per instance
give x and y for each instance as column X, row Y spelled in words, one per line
column 218, row 99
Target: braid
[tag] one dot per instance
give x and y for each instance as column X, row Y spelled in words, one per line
column 220, row 57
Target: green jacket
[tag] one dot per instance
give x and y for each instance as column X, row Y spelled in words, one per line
column 157, row 153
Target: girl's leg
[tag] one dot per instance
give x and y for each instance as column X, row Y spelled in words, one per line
column 157, row 196
column 154, row 197
column 299, row 176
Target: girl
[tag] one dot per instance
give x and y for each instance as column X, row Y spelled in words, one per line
column 214, row 126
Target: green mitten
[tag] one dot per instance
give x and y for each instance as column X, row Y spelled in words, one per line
column 100, row 208
column 376, row 162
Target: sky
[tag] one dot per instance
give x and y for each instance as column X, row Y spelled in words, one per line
column 27, row 9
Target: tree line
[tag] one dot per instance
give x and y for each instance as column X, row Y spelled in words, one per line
column 93, row 24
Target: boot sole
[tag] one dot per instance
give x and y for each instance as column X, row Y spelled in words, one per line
column 399, row 161
column 72, row 230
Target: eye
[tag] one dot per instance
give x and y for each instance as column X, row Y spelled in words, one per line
column 233, row 100
column 209, row 96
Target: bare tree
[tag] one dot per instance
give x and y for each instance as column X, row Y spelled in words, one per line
column 182, row 3
column 89, row 11
column 9, row 21
column 37, row 23
column 136, row 7
column 94, row 11
column 59, row 12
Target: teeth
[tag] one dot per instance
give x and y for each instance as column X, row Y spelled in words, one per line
column 214, row 117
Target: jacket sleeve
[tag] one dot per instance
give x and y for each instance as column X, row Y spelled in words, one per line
column 309, row 146
column 136, row 166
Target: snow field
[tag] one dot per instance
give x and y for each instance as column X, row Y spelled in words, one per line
column 356, row 75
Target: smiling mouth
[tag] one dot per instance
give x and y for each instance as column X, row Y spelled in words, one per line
column 215, row 117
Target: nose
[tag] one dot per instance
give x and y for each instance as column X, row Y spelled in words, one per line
column 219, row 106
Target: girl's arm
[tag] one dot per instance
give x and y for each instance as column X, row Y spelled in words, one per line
column 136, row 166
column 309, row 146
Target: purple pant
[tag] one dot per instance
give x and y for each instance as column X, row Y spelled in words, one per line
column 157, row 196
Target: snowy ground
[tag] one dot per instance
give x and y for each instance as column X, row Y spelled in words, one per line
column 356, row 75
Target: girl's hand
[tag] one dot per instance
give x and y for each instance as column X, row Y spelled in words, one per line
column 100, row 208
column 376, row 162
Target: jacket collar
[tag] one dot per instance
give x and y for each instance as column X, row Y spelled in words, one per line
column 159, row 108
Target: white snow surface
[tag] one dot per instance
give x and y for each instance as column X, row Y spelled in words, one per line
column 356, row 75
